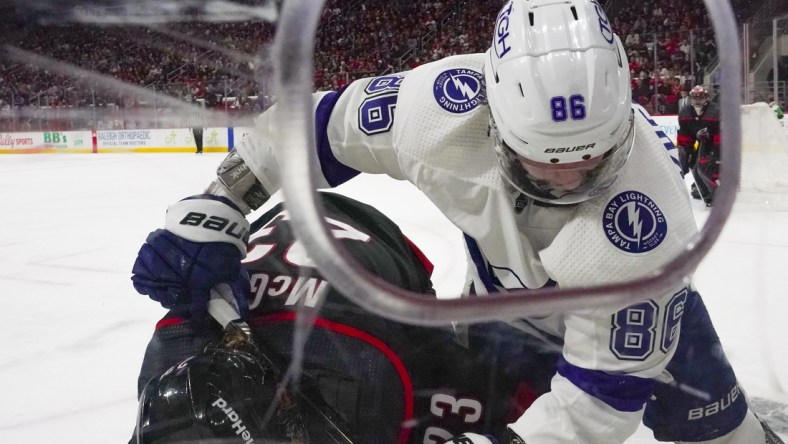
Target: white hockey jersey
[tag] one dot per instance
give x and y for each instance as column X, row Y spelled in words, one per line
column 430, row 126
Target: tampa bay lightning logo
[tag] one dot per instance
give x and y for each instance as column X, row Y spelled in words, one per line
column 634, row 223
column 459, row 91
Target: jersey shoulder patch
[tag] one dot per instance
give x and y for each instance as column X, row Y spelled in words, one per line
column 459, row 90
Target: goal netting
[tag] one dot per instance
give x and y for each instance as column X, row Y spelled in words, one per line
column 764, row 171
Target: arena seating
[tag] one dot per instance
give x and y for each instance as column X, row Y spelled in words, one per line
column 220, row 64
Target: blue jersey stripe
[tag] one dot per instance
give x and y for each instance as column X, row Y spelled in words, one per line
column 666, row 142
column 624, row 393
column 648, row 118
column 486, row 271
column 481, row 265
column 333, row 170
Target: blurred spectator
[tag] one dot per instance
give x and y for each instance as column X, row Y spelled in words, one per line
column 684, row 100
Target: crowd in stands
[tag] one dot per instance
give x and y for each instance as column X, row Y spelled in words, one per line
column 139, row 56
column 370, row 37
column 669, row 44
column 219, row 64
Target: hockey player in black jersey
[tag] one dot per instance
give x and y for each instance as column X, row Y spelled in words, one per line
column 372, row 379
column 699, row 122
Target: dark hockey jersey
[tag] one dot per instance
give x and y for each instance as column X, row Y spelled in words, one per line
column 690, row 123
column 390, row 382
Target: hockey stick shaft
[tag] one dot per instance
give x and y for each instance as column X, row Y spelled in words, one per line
column 226, row 315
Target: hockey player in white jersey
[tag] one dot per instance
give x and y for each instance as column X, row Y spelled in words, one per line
column 535, row 151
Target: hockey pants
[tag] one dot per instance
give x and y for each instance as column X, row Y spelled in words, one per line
column 702, row 402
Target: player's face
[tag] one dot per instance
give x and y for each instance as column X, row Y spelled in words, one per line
column 698, row 100
column 561, row 177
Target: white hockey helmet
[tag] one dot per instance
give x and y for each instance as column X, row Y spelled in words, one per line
column 560, row 98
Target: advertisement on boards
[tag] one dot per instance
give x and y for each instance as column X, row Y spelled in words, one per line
column 46, row 142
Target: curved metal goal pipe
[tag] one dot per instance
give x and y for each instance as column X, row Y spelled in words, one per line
column 292, row 55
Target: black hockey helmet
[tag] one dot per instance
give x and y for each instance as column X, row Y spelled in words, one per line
column 222, row 395
column 231, row 393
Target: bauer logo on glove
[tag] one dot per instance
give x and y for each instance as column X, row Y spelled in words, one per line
column 215, row 223
column 208, row 220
